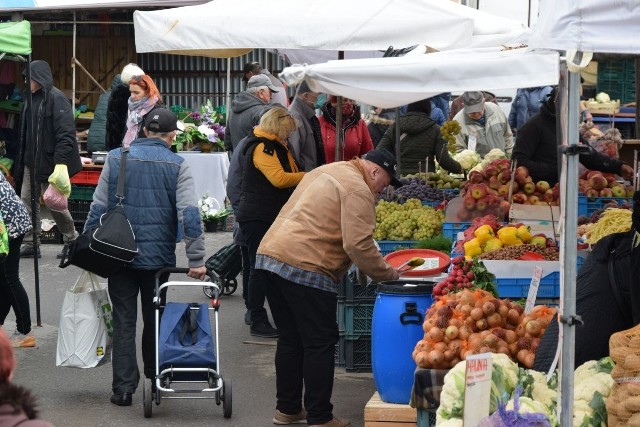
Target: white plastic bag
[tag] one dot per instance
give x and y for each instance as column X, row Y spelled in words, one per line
column 85, row 330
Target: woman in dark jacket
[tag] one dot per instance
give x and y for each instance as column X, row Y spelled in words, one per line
column 96, row 140
column 118, row 107
column 420, row 138
column 269, row 176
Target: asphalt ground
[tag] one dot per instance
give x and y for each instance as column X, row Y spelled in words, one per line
column 80, row 397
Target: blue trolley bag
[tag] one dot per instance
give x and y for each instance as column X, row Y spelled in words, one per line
column 185, row 339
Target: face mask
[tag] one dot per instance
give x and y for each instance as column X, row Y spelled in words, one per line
column 322, row 98
column 347, row 109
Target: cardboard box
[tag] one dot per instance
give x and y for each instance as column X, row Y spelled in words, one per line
column 541, row 219
column 612, row 107
column 381, row 414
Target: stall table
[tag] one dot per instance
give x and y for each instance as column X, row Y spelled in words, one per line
column 209, row 172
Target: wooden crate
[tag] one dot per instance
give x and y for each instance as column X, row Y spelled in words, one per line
column 381, row 414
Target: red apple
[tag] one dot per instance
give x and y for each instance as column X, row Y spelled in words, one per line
column 481, row 204
column 490, row 171
column 505, row 176
column 503, row 190
column 520, row 198
column 597, row 182
column 606, row 192
column 618, row 190
column 592, row 193
column 478, row 191
column 548, row 196
column 494, row 182
column 469, row 202
column 475, row 177
column 521, row 172
column 533, row 199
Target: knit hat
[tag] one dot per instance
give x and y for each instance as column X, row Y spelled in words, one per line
column 129, row 71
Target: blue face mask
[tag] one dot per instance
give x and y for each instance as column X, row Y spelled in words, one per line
column 322, row 98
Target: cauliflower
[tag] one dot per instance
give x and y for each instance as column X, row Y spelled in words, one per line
column 467, row 159
column 538, row 388
column 494, row 154
column 603, row 97
column 592, row 385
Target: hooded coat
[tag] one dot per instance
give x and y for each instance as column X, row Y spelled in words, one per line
column 54, row 139
column 117, row 112
column 96, row 140
column 245, row 113
column 423, row 139
column 357, row 140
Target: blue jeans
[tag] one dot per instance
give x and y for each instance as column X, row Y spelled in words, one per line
column 123, row 291
column 12, row 293
column 307, row 335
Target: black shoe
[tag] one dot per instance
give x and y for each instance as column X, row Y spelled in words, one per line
column 121, row 399
column 26, row 251
column 247, row 318
column 65, row 250
column 264, row 330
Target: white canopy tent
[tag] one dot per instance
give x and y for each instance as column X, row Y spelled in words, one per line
column 42, row 5
column 312, row 32
column 577, row 26
column 390, row 82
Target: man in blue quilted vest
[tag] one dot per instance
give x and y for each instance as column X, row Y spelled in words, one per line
column 161, row 204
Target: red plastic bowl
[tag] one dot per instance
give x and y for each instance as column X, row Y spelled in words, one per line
column 397, row 258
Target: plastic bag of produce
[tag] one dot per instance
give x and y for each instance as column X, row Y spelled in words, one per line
column 522, row 412
column 623, row 403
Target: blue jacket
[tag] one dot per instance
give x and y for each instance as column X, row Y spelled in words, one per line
column 527, row 104
column 160, row 203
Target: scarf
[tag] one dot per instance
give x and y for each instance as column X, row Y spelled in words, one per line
column 482, row 120
column 137, row 111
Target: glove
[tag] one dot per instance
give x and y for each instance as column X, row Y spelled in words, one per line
column 60, row 179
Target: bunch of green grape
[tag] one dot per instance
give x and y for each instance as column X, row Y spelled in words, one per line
column 406, row 221
column 449, row 130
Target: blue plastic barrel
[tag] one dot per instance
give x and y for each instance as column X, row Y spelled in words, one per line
column 396, row 327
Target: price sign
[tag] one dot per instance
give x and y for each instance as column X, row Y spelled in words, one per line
column 533, row 290
column 429, row 264
column 477, row 391
column 471, row 145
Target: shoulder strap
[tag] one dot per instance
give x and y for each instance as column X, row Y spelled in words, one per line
column 615, row 288
column 123, row 162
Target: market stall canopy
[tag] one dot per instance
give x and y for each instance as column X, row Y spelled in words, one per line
column 390, row 82
column 41, row 5
column 588, row 26
column 227, row 28
column 15, row 38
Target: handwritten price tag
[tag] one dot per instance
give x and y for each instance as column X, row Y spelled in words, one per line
column 477, row 388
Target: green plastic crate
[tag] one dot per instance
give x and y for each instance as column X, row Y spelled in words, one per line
column 82, row 192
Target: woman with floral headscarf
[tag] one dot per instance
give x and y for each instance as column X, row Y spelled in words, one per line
column 144, row 98
column 356, row 137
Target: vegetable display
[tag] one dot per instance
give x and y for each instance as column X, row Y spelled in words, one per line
column 623, row 404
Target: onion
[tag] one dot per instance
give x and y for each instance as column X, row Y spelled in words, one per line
column 513, row 316
column 521, row 356
column 529, row 360
column 422, row 359
column 482, row 324
column 477, row 314
column 503, row 310
column 488, row 308
column 440, row 346
column 464, row 332
column 451, row 332
column 455, row 346
column 435, row 357
column 494, row 320
column 534, row 328
column 520, row 330
column 466, row 310
column 491, row 341
column 510, row 336
column 436, row 334
column 456, row 322
column 448, row 355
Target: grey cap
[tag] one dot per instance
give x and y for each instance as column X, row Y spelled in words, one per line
column 262, row 80
column 473, row 102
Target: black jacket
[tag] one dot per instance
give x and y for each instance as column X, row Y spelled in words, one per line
column 54, row 140
column 117, row 112
column 423, row 139
column 536, row 148
column 96, row 140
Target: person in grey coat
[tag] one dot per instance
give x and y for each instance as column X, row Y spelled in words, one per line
column 246, row 109
column 305, row 142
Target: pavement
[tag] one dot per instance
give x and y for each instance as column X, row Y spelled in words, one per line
column 70, row 397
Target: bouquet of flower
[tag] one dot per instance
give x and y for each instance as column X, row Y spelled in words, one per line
column 210, row 209
column 206, row 127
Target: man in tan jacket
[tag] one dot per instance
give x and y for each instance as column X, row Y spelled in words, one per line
column 326, row 225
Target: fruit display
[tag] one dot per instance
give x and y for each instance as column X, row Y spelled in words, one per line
column 473, row 321
column 449, row 130
column 466, row 274
column 487, row 190
column 526, row 251
column 598, row 184
column 612, row 220
column 417, row 188
column 407, row 221
column 440, row 180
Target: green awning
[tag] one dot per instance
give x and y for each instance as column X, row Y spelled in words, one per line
column 15, row 38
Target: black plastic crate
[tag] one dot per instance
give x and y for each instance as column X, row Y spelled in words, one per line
column 357, row 353
column 355, row 293
column 79, row 210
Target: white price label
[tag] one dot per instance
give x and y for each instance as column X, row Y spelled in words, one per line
column 471, row 145
column 533, row 290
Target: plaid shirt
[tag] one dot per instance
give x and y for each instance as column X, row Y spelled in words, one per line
column 296, row 275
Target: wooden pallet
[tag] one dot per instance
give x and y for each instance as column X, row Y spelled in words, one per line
column 381, row 414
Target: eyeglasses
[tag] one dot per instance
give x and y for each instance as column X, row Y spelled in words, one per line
column 137, row 78
column 286, row 115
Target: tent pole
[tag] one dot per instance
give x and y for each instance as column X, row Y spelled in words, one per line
column 73, row 67
column 339, row 133
column 32, row 185
column 568, row 250
column 228, row 98
column 397, row 144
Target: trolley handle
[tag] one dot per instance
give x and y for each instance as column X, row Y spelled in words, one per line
column 184, row 270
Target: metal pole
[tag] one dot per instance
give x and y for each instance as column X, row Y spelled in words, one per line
column 339, row 133
column 397, row 145
column 73, row 68
column 568, row 251
column 228, row 100
column 32, row 184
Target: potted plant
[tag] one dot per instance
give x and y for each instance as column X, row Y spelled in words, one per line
column 204, row 130
column 211, row 213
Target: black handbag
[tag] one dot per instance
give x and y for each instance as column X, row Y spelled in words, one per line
column 106, row 249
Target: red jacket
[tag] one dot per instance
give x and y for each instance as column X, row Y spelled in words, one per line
column 357, row 140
